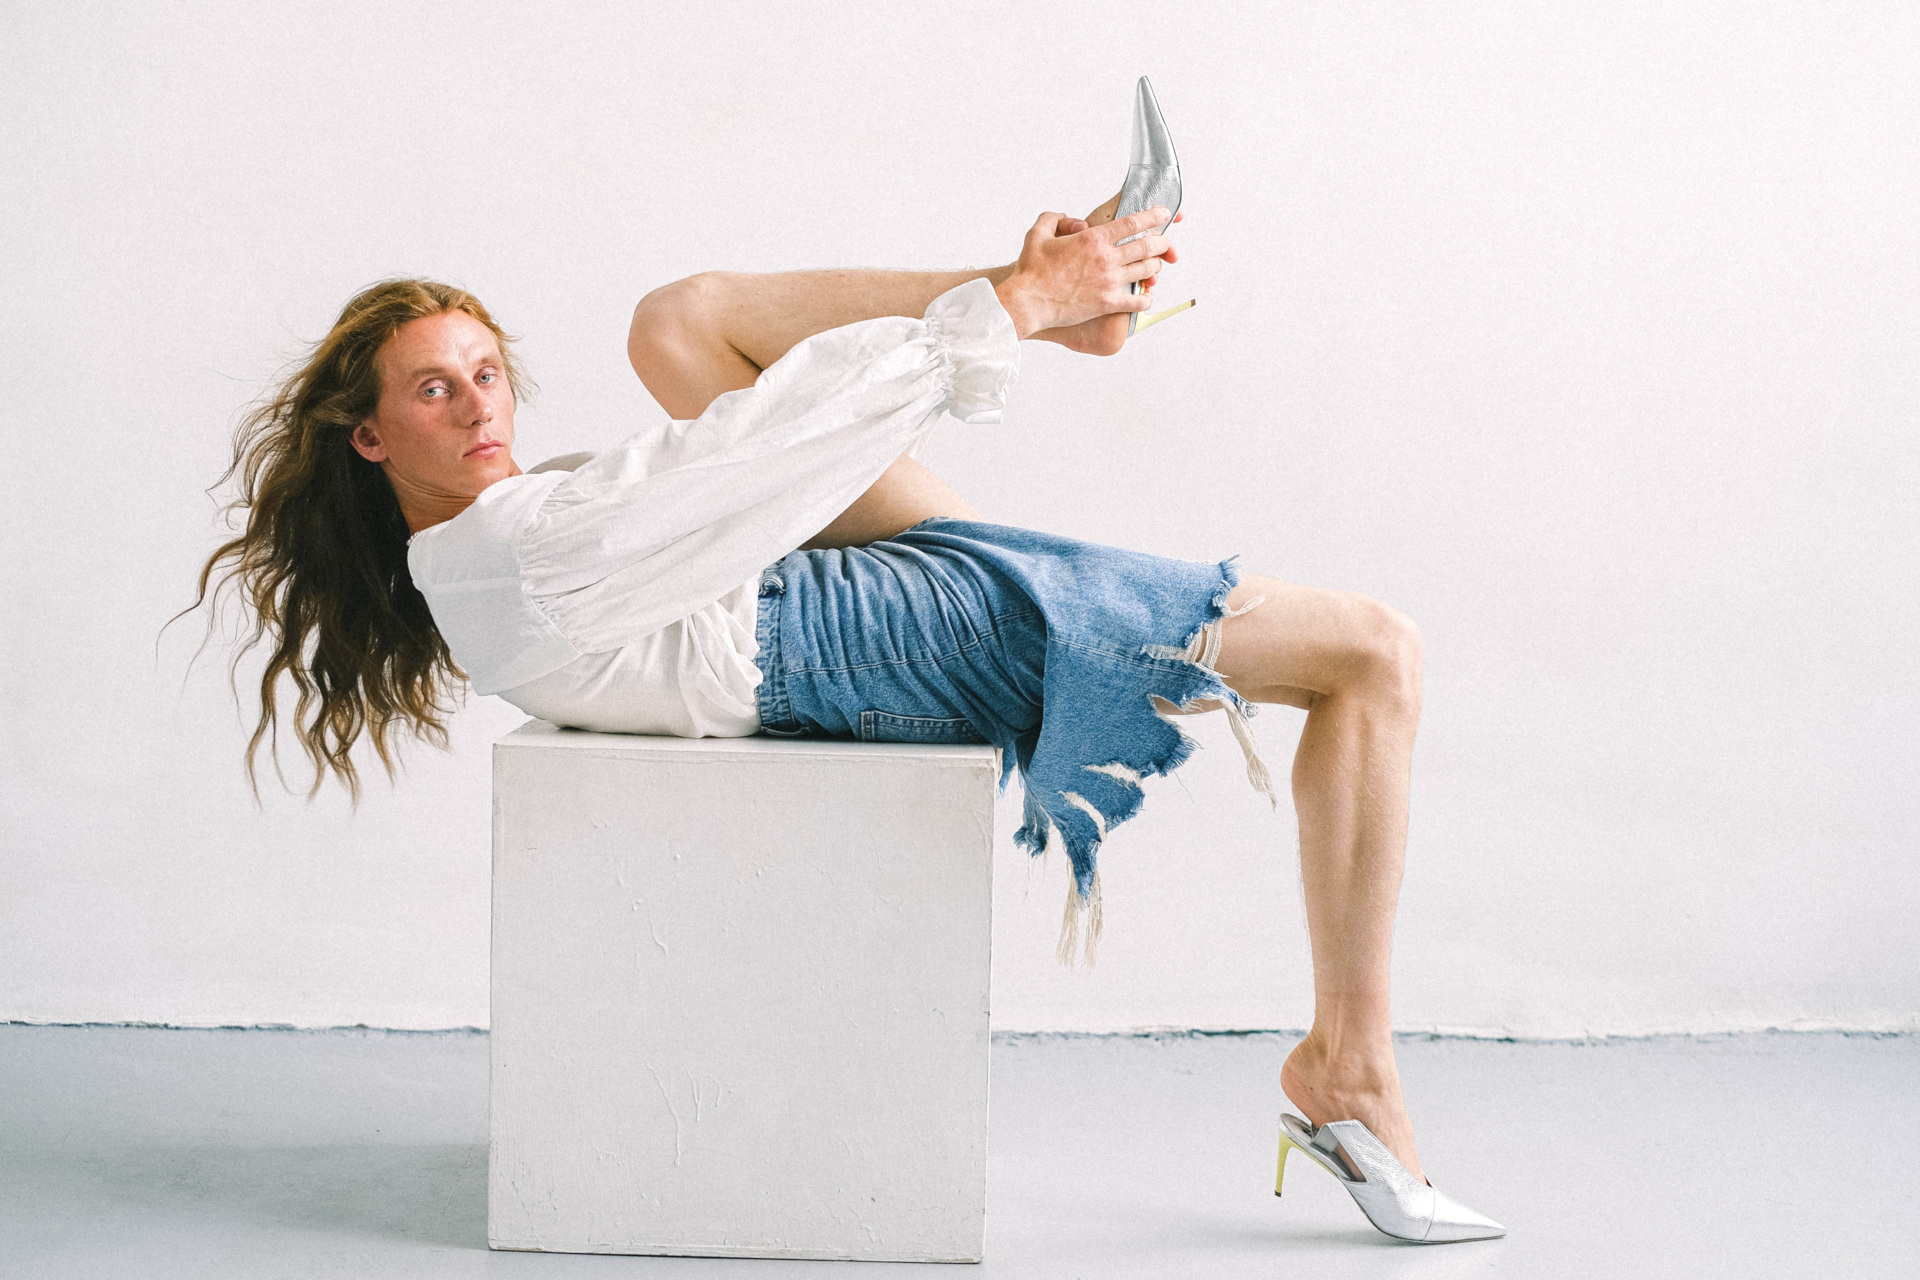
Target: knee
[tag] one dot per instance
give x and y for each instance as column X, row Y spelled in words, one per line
column 1386, row 655
column 690, row 299
column 671, row 320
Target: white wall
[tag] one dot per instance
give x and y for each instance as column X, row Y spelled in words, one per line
column 1586, row 334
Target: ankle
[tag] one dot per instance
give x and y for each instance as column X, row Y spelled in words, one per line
column 1349, row 1044
column 1315, row 1074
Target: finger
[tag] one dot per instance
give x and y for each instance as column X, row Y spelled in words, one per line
column 1145, row 269
column 1134, row 223
column 1179, row 217
column 1070, row 226
column 1125, row 299
column 1145, row 247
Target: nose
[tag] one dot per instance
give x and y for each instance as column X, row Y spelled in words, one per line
column 475, row 408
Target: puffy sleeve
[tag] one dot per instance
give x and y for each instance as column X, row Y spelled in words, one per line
column 674, row 518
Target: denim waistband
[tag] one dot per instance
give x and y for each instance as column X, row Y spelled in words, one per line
column 776, row 712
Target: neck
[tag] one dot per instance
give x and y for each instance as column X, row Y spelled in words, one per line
column 422, row 508
column 424, row 514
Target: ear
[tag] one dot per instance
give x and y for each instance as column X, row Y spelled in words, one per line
column 366, row 442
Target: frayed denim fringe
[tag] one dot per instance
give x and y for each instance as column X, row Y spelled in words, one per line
column 1070, row 657
column 1147, row 744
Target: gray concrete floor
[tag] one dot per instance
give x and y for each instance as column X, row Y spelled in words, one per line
column 128, row 1152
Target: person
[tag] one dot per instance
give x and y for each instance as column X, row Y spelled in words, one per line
column 777, row 560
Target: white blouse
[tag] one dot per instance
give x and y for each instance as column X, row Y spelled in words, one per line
column 622, row 596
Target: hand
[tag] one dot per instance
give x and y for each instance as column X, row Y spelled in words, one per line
column 1067, row 277
column 1102, row 335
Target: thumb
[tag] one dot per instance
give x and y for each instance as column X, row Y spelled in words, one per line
column 1047, row 227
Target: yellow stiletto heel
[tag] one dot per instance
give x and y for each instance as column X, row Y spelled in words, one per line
column 1155, row 317
column 1286, row 1145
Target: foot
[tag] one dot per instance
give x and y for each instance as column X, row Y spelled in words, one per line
column 1102, row 335
column 1107, row 212
column 1369, row 1091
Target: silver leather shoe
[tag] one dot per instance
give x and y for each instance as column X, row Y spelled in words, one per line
column 1154, row 176
column 1394, row 1200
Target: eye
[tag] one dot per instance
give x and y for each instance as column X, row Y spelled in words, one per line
column 488, row 376
column 431, row 392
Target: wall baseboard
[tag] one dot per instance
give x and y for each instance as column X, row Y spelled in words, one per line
column 1133, row 1033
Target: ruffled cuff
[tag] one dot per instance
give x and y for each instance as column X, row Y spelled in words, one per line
column 985, row 349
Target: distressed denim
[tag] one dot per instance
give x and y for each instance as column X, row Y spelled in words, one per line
column 1050, row 648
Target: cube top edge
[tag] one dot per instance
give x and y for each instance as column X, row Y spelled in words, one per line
column 538, row 735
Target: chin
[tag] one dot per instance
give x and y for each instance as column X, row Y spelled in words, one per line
column 492, row 470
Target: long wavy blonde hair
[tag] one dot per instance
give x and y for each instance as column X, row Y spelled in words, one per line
column 322, row 562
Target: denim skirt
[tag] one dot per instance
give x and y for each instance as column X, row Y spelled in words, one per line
column 1049, row 648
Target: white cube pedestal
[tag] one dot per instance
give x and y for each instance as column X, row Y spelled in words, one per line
column 740, row 996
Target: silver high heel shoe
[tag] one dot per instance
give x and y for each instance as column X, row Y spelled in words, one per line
column 1153, row 178
column 1394, row 1200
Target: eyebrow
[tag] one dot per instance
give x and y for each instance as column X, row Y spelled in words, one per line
column 488, row 356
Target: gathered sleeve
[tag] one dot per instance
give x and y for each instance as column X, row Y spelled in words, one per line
column 675, row 517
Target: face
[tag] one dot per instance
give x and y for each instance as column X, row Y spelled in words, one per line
column 443, row 429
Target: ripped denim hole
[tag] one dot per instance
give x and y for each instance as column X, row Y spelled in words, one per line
column 1204, row 651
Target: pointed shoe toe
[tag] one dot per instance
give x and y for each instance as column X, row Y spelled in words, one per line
column 1454, row 1221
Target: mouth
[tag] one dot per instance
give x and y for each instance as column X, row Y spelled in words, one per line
column 485, row 449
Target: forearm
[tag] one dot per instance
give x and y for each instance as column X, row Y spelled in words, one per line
column 697, row 338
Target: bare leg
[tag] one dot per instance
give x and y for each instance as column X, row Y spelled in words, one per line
column 1354, row 665
column 708, row 334
column 712, row 333
column 696, row 338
